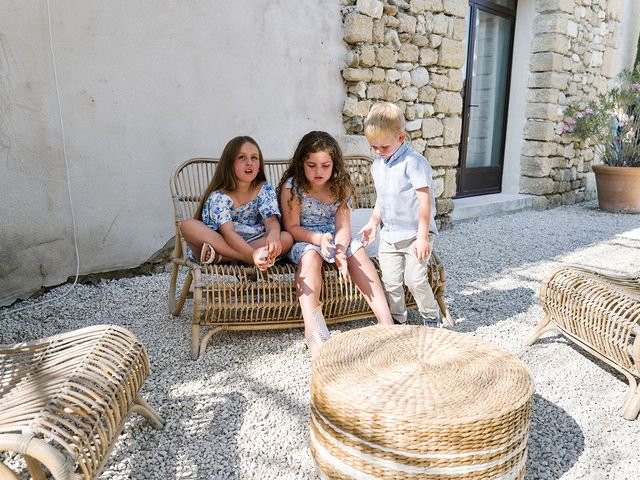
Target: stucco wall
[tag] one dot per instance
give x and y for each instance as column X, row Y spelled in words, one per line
column 143, row 86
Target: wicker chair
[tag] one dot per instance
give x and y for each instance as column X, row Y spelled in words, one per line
column 235, row 297
column 64, row 399
column 601, row 313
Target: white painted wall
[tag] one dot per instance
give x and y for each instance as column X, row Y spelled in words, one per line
column 523, row 36
column 143, row 86
column 629, row 37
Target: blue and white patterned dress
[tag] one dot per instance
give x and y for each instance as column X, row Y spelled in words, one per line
column 319, row 217
column 248, row 219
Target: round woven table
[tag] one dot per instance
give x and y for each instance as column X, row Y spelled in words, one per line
column 418, row 402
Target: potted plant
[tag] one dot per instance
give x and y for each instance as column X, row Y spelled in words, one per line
column 609, row 124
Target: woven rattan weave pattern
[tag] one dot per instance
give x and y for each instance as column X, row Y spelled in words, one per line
column 64, row 399
column 417, row 402
column 228, row 297
column 601, row 313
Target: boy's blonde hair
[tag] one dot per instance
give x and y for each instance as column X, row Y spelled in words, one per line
column 384, row 119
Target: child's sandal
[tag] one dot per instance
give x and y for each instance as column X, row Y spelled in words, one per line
column 207, row 249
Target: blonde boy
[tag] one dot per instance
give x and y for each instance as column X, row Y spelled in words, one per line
column 406, row 207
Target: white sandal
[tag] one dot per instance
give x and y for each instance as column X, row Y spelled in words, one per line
column 207, row 248
column 320, row 335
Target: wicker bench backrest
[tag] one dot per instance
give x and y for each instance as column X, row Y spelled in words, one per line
column 189, row 182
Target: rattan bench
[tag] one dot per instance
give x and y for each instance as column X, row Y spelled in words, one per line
column 64, row 399
column 233, row 297
column 601, row 313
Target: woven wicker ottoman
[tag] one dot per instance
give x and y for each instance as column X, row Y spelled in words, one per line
column 417, row 402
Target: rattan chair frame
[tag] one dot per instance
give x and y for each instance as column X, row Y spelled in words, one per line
column 600, row 313
column 238, row 297
column 64, row 399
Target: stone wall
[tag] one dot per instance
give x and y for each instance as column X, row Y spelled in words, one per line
column 573, row 57
column 410, row 53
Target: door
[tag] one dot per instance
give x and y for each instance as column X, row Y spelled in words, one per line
column 486, row 96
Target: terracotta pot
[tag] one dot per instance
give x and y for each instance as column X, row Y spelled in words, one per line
column 618, row 188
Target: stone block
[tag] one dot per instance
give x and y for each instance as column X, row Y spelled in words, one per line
column 358, row 89
column 551, row 23
column 394, row 93
column 420, row 40
column 419, row 77
column 440, row 24
column 377, row 91
column 543, row 111
column 452, row 53
column 438, row 81
column 452, row 130
column 442, row 157
column 459, row 29
column 428, row 56
column 378, row 31
column 372, row 8
column 407, row 23
column 410, row 94
column 355, row 108
column 358, row 28
column 531, row 148
column 547, row 62
column 535, row 166
column 456, row 81
column 544, row 95
column 357, row 74
column 448, row 102
column 432, row 127
column 457, row 8
column 408, row 53
column 386, row 57
column 367, row 56
column 550, row 42
column 413, row 125
column 449, row 183
column 566, row 6
column 548, row 80
column 539, row 130
column 536, row 186
column 443, row 207
column 540, row 203
column 378, row 74
column 427, row 94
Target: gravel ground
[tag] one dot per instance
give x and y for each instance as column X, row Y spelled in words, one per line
column 241, row 410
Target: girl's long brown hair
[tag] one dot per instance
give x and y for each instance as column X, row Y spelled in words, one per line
column 224, row 177
column 340, row 184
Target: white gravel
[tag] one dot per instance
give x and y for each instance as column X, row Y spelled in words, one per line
column 241, row 410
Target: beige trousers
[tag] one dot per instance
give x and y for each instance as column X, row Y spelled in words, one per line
column 399, row 266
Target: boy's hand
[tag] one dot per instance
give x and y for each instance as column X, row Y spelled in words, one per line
column 421, row 249
column 368, row 232
column 326, row 245
column 343, row 268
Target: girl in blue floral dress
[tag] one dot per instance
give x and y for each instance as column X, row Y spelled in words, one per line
column 315, row 194
column 238, row 217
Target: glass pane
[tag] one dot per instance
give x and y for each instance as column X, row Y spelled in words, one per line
column 488, row 90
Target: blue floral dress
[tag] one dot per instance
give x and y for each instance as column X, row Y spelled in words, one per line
column 248, row 219
column 319, row 217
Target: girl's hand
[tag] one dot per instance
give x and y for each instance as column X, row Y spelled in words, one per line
column 261, row 259
column 326, row 246
column 368, row 233
column 274, row 247
column 341, row 263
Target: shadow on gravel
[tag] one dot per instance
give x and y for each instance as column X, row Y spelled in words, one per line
column 205, row 445
column 486, row 307
column 555, row 441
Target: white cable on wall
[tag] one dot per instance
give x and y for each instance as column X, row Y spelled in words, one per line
column 66, row 166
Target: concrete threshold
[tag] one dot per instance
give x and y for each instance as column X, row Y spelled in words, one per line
column 486, row 205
